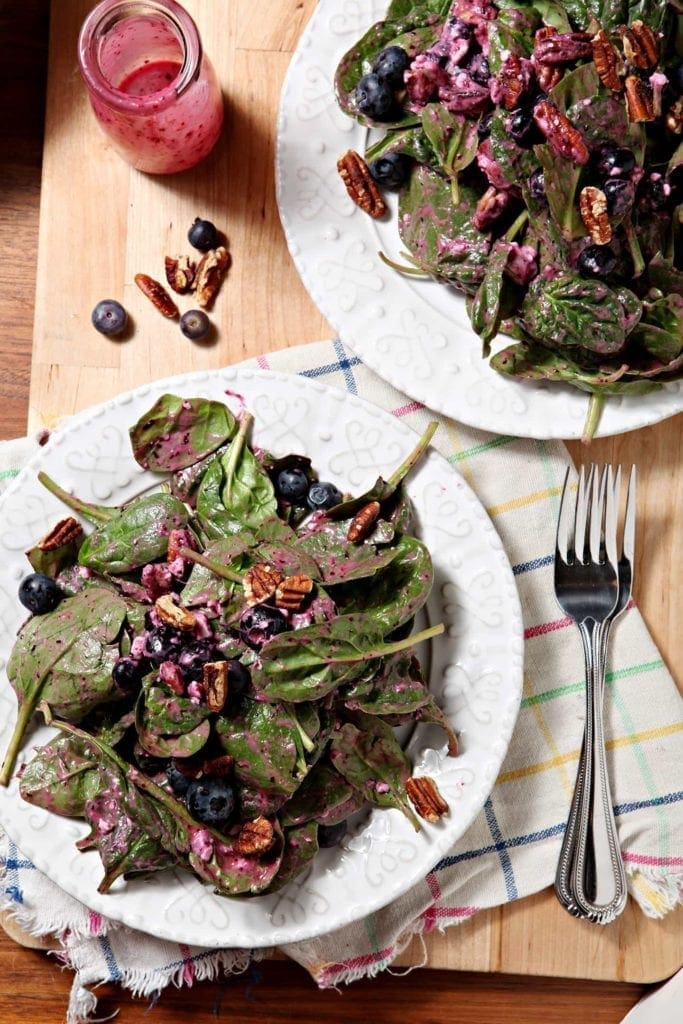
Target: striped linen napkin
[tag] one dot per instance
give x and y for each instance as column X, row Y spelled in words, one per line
column 512, row 848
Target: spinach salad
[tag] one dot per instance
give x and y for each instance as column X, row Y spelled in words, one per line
column 536, row 147
column 225, row 657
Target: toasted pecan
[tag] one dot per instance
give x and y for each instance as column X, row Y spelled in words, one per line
column 360, row 184
column 157, row 295
column 426, row 798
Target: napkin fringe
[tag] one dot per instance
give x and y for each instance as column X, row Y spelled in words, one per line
column 656, row 890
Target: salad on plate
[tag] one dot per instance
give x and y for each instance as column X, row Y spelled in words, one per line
column 226, row 658
column 537, row 150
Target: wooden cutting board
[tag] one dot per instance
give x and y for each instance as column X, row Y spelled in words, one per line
column 102, row 223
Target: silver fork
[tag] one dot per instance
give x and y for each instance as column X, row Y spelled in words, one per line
column 590, row 880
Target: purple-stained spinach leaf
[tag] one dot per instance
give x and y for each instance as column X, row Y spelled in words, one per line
column 177, row 432
column 138, row 535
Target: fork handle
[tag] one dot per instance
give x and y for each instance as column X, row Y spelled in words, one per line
column 598, row 879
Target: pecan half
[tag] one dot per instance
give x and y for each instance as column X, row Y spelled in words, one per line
column 562, row 47
column 157, row 295
column 215, row 680
column 426, row 798
column 261, row 582
column 593, row 207
column 255, row 837
column 512, row 80
column 608, row 63
column 640, row 44
column 673, row 119
column 173, row 614
column 212, row 268
column 548, row 75
column 292, row 591
column 63, row 532
column 363, row 522
column 639, row 103
column 180, row 272
column 360, row 184
column 561, row 135
column 491, row 205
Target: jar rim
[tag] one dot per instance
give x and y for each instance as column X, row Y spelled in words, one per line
column 106, row 14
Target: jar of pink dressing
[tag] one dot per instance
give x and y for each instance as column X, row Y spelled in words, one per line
column 153, row 90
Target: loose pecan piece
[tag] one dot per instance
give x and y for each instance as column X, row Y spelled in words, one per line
column 157, row 295
column 63, row 532
column 173, row 614
column 261, row 582
column 426, row 798
column 640, row 44
column 593, row 207
column 360, row 184
column 291, row 593
column 608, row 63
column 363, row 522
column 212, row 268
column 639, row 103
column 215, row 680
column 562, row 137
column 180, row 272
column 255, row 837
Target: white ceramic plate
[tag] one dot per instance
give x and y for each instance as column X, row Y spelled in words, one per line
column 413, row 333
column 475, row 667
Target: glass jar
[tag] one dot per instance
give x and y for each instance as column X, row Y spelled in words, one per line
column 153, row 90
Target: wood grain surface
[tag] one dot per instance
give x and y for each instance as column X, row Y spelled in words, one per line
column 99, row 225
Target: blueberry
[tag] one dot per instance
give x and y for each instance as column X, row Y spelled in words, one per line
column 390, row 64
column 391, row 171
column 619, row 194
column 202, row 235
column 192, row 659
column 177, row 780
column 292, row 485
column 239, row 681
column 597, row 261
column 195, row 324
column 656, row 192
column 479, row 69
column 127, row 673
column 615, row 162
column 259, row 624
column 522, row 128
column 322, row 494
column 374, row 97
column 210, row 801
column 331, row 835
column 162, row 643
column 109, row 317
column 537, row 185
column 39, row 593
column 148, row 763
column 484, row 126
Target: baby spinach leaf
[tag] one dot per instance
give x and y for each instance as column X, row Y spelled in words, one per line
column 185, row 482
column 570, row 312
column 64, row 658
column 301, row 846
column 63, row 777
column 371, row 759
column 453, row 138
column 263, row 740
column 138, row 535
column 398, row 687
column 660, row 332
column 487, row 307
column 52, row 561
column 339, row 560
column 177, row 432
column 324, row 796
column 231, row 872
column 411, row 142
column 535, row 362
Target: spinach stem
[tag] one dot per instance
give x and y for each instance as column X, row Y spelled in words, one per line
column 215, row 567
column 595, row 406
column 516, row 225
column 93, row 513
column 634, row 247
column 24, row 717
column 401, row 268
column 233, row 455
column 401, row 471
column 306, row 741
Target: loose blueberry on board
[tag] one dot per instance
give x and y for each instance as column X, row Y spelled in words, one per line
column 259, row 624
column 292, row 485
column 202, row 235
column 597, row 261
column 322, row 494
column 374, row 97
column 210, row 801
column 109, row 317
column 195, row 324
column 391, row 171
column 39, row 593
column 390, row 64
